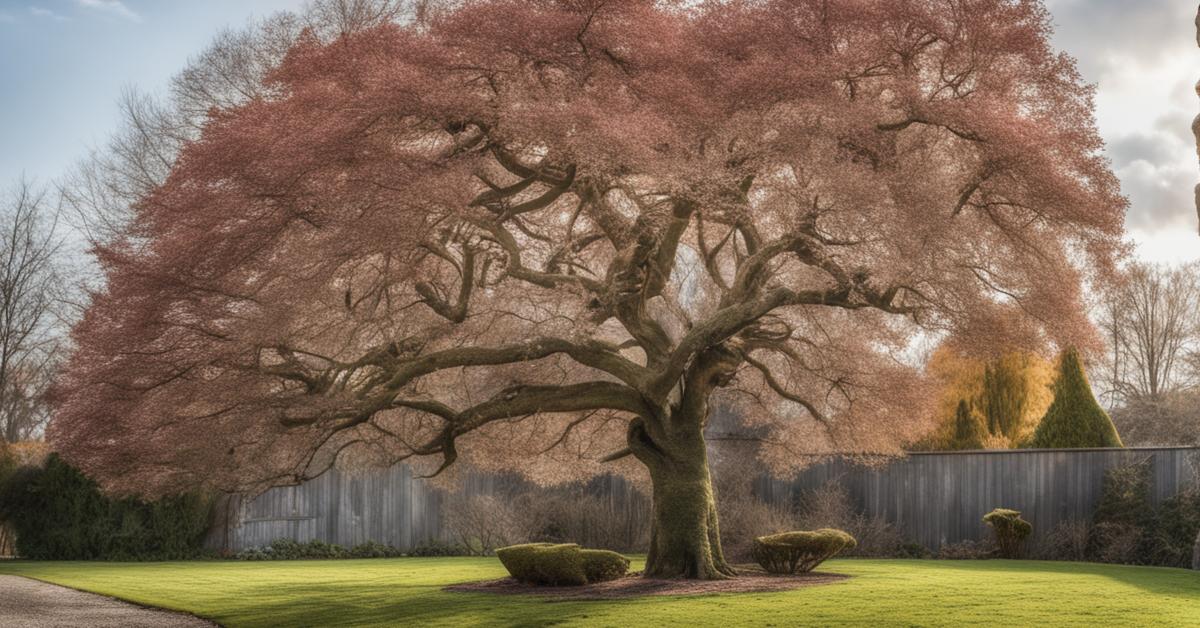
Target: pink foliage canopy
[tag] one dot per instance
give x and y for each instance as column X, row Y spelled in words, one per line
column 501, row 234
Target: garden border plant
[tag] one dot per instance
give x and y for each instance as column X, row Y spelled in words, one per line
column 1010, row 531
column 799, row 551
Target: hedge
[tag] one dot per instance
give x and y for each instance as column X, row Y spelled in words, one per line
column 60, row 514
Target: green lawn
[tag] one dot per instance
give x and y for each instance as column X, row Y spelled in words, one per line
column 407, row 591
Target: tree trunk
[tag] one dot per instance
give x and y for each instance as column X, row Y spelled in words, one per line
column 685, row 540
column 1196, row 553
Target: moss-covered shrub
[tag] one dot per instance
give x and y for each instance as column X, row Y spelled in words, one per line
column 1010, row 530
column 799, row 551
column 552, row 564
column 602, row 565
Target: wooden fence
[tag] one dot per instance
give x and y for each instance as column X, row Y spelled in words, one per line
column 933, row 498
column 940, row 498
column 395, row 507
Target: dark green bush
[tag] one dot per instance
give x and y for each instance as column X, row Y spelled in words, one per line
column 912, row 550
column 59, row 514
column 1175, row 530
column 253, row 553
column 799, row 551
column 1010, row 530
column 602, row 565
column 1125, row 515
column 1125, row 495
column 552, row 564
column 287, row 549
column 371, row 549
column 434, row 547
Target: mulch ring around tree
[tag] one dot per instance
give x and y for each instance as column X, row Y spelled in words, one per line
column 750, row 579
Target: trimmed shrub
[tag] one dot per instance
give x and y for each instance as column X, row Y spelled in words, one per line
column 60, row 514
column 603, row 565
column 1074, row 419
column 551, row 564
column 799, row 551
column 1010, row 530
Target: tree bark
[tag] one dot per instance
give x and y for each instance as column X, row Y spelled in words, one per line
column 685, row 539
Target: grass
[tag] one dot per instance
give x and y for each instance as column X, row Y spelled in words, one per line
column 407, row 591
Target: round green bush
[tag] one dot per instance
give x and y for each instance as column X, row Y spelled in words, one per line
column 1011, row 530
column 603, row 565
column 799, row 551
column 552, row 564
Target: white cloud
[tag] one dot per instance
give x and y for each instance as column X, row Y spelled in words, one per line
column 48, row 14
column 112, row 7
column 1171, row 247
column 1143, row 59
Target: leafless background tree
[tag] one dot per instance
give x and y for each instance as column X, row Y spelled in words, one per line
column 1151, row 375
column 32, row 288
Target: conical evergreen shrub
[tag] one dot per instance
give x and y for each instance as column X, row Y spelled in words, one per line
column 1074, row 419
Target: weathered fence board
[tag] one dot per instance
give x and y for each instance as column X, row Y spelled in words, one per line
column 934, row 498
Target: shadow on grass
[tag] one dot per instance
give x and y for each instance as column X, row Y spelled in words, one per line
column 319, row 605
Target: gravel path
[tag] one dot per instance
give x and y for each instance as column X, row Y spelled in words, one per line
column 26, row 603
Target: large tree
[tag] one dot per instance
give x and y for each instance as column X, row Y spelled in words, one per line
column 31, row 293
column 546, row 234
column 1151, row 320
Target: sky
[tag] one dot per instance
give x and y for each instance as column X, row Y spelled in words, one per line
column 64, row 64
